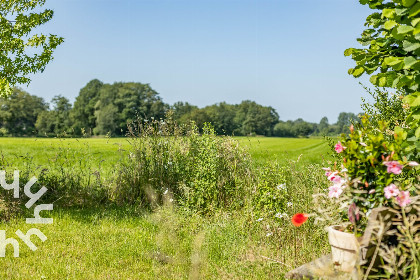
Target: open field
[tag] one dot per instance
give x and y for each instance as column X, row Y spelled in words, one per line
column 113, row 242
column 105, row 152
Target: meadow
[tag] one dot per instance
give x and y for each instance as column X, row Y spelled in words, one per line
column 110, row 241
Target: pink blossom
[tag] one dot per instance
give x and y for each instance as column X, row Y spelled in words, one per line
column 327, row 171
column 372, row 191
column 403, row 198
column 339, row 148
column 334, row 177
column 413, row 163
column 335, row 191
column 393, row 167
column 391, row 190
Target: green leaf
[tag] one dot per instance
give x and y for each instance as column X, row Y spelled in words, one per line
column 416, row 31
column 409, row 62
column 388, row 13
column 374, row 79
column 358, row 71
column 415, row 21
column 417, row 133
column 390, row 24
column 408, row 3
column 392, row 60
column 404, row 29
column 382, row 82
column 348, row 52
column 409, row 46
column 413, row 99
column 401, row 11
column 414, row 10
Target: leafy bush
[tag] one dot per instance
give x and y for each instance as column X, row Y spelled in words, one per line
column 201, row 172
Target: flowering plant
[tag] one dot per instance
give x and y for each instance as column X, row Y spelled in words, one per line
column 374, row 172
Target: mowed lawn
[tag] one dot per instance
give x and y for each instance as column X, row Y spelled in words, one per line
column 125, row 243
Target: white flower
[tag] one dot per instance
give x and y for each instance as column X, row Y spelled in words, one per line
column 260, row 219
column 281, row 215
column 289, row 204
column 269, row 234
column 413, row 163
column 281, row 187
column 165, row 192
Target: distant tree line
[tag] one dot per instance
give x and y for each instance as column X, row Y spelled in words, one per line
column 105, row 109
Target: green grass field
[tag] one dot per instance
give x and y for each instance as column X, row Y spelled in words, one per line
column 125, row 243
column 105, row 152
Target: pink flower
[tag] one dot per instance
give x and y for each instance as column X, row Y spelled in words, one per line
column 393, row 167
column 372, row 191
column 335, row 191
column 391, row 191
column 334, row 177
column 413, row 163
column 327, row 171
column 339, row 148
column 403, row 198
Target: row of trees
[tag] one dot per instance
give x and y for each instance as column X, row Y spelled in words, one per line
column 102, row 109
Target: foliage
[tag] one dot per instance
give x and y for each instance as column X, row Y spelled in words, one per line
column 270, row 196
column 83, row 113
column 122, row 103
column 19, row 112
column 386, row 107
column 246, row 118
column 57, row 120
column 202, row 172
column 393, row 41
column 19, row 45
column 367, row 155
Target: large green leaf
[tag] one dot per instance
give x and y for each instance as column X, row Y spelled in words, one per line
column 413, row 99
column 348, row 52
column 374, row 79
column 415, row 21
column 388, row 13
column 358, row 71
column 404, row 29
column 415, row 10
column 410, row 46
column 417, row 133
column 409, row 62
column 382, row 82
column 392, row 60
column 390, row 24
column 408, row 3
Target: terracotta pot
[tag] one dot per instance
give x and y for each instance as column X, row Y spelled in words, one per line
column 345, row 249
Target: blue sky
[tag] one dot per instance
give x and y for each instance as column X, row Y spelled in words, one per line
column 287, row 54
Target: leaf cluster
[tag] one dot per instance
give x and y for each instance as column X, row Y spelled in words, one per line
column 22, row 52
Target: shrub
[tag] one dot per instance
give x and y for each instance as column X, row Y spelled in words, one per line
column 202, row 172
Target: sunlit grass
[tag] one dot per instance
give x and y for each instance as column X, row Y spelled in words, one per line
column 122, row 243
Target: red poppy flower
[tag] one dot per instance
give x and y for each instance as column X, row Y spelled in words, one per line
column 298, row 219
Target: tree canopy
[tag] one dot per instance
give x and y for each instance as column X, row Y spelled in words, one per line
column 22, row 52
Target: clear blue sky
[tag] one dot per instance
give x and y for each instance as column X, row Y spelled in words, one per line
column 287, row 54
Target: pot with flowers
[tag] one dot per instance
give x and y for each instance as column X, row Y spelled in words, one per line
column 374, row 174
